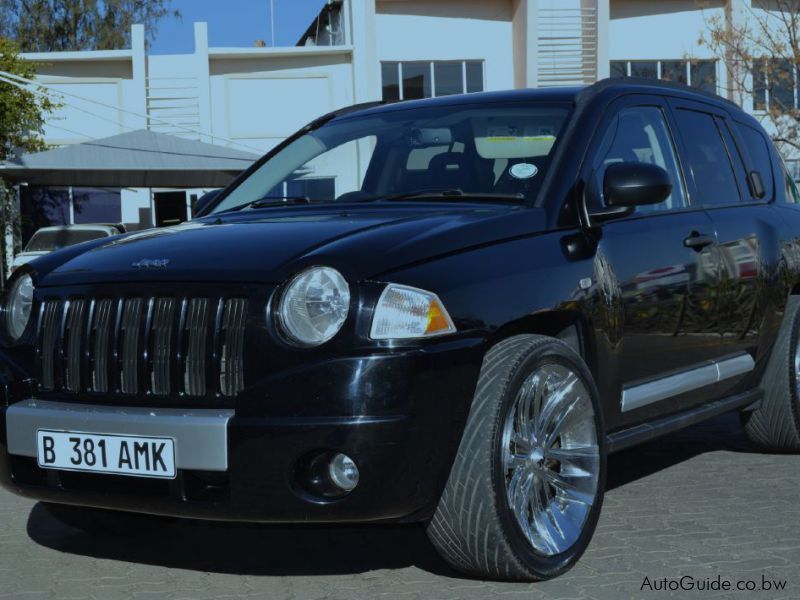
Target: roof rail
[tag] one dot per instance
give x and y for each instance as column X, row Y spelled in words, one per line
column 611, row 82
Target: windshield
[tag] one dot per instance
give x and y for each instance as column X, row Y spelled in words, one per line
column 54, row 239
column 498, row 150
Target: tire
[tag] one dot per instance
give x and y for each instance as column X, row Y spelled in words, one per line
column 475, row 528
column 106, row 523
column 775, row 423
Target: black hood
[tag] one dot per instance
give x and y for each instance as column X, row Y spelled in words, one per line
column 270, row 245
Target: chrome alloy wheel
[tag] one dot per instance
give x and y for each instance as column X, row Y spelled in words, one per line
column 551, row 460
column 797, row 365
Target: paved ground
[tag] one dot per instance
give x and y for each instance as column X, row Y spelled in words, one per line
column 700, row 503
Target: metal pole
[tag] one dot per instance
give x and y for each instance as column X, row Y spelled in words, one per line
column 272, row 20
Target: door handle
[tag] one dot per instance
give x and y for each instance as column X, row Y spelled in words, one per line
column 698, row 241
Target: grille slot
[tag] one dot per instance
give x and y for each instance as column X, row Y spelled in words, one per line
column 231, row 369
column 51, row 312
column 161, row 333
column 161, row 346
column 130, row 330
column 100, row 349
column 73, row 336
column 194, row 376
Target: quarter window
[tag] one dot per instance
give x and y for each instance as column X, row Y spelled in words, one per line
column 640, row 134
column 426, row 79
column 708, row 160
column 757, row 149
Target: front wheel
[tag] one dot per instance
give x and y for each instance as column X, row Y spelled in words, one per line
column 526, row 488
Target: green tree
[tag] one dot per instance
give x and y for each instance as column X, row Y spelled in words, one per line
column 54, row 25
column 22, row 116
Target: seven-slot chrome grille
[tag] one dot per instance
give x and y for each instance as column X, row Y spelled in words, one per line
column 159, row 346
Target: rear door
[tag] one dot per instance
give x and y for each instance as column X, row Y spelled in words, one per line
column 731, row 176
column 660, row 259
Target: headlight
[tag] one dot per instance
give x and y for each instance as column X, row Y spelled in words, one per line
column 314, row 306
column 405, row 312
column 18, row 306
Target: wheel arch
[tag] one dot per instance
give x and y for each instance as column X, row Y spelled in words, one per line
column 570, row 326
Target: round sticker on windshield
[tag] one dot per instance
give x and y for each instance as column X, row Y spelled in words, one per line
column 523, row 170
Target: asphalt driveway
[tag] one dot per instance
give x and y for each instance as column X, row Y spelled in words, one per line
column 702, row 505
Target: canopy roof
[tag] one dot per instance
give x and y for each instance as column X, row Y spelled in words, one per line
column 137, row 159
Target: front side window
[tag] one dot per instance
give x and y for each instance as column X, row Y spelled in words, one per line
column 708, row 159
column 640, row 135
column 497, row 149
column 426, row 79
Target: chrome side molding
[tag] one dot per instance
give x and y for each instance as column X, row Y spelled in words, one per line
column 708, row 373
column 201, row 435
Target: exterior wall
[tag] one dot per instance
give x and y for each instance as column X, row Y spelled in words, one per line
column 260, row 101
column 449, row 30
column 671, row 28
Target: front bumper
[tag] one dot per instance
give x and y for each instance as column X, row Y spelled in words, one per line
column 399, row 416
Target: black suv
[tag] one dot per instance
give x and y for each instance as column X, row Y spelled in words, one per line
column 446, row 311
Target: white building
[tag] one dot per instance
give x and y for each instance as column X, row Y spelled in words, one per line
column 358, row 51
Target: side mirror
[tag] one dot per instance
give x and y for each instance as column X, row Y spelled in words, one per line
column 631, row 184
column 203, row 201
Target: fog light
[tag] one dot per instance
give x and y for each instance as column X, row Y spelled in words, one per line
column 343, row 472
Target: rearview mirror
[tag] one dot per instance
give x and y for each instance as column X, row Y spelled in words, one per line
column 635, row 184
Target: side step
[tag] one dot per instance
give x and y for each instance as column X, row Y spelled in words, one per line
column 625, row 438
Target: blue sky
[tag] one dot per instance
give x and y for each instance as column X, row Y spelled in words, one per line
column 234, row 23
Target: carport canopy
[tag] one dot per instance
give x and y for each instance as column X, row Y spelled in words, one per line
column 139, row 158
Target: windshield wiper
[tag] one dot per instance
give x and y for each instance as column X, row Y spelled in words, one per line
column 454, row 194
column 268, row 201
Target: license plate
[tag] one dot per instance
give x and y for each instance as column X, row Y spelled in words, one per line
column 106, row 453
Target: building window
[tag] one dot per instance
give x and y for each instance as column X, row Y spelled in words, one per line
column 410, row 80
column 701, row 74
column 96, row 205
column 775, row 83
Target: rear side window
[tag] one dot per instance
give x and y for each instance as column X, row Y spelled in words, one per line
column 756, row 150
column 708, row 161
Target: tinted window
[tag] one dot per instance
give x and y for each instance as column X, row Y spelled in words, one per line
column 644, row 68
column 390, row 75
column 674, row 70
column 640, row 135
column 619, row 68
column 55, row 239
column 474, row 76
column 96, row 205
column 475, row 148
column 704, row 75
column 707, row 158
column 757, row 151
column 416, row 80
column 449, row 78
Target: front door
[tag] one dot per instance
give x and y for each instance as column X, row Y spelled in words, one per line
column 660, row 260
